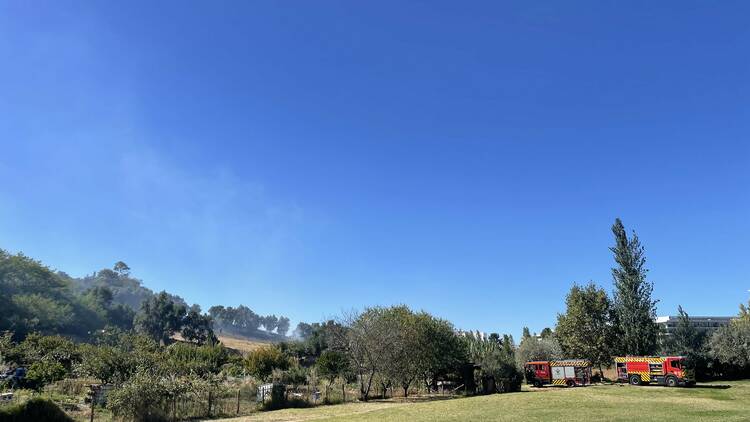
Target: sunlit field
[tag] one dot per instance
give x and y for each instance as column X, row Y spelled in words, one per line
column 707, row 402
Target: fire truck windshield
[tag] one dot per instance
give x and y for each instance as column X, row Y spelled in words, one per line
column 677, row 364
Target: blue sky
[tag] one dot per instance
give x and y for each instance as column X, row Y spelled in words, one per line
column 305, row 158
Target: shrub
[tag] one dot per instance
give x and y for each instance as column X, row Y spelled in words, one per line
column 42, row 373
column 152, row 396
column 36, row 409
column 105, row 363
column 261, row 362
column 140, row 398
column 186, row 358
column 37, row 347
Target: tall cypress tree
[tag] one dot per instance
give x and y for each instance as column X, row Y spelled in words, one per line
column 635, row 311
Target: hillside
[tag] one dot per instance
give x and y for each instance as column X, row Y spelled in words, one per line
column 34, row 298
column 240, row 344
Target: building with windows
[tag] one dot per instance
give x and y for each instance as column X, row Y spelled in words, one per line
column 705, row 323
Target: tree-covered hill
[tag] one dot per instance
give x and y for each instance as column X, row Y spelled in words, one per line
column 125, row 289
column 34, row 298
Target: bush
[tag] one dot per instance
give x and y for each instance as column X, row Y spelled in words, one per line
column 42, row 373
column 36, row 409
column 153, row 396
column 105, row 363
column 261, row 362
column 141, row 398
column 186, row 358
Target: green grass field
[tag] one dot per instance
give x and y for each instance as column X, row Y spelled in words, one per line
column 707, row 402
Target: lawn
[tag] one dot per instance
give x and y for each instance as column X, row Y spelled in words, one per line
column 707, row 402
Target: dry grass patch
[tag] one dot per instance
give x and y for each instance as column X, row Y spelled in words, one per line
column 244, row 346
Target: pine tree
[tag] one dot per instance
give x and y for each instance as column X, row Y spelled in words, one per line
column 526, row 333
column 686, row 338
column 634, row 309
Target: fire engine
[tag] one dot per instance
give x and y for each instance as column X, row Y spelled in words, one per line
column 666, row 370
column 570, row 372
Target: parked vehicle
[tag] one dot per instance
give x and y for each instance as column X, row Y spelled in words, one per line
column 570, row 372
column 663, row 370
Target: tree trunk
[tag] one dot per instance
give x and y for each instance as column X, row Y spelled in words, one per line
column 365, row 390
column 406, row 391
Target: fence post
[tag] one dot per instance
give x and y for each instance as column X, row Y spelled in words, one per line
column 209, row 403
column 238, row 401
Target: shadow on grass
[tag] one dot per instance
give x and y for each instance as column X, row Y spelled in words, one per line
column 429, row 398
column 712, row 386
column 414, row 399
column 706, row 386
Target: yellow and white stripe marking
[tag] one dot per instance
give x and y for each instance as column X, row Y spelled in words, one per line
column 646, row 359
column 572, row 362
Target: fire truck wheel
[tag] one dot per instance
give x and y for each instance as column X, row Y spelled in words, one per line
column 537, row 383
column 671, row 382
column 635, row 380
column 570, row 383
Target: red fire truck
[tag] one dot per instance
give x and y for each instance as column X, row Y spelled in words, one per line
column 570, row 372
column 665, row 370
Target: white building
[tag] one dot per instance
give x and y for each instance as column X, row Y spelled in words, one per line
column 706, row 323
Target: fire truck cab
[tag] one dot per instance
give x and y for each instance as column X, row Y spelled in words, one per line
column 570, row 372
column 661, row 370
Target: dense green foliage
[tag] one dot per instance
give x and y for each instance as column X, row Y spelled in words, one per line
column 331, row 365
column 148, row 376
column 585, row 330
column 160, row 317
column 634, row 309
column 396, row 346
column 33, row 298
column 261, row 362
column 730, row 345
column 494, row 359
